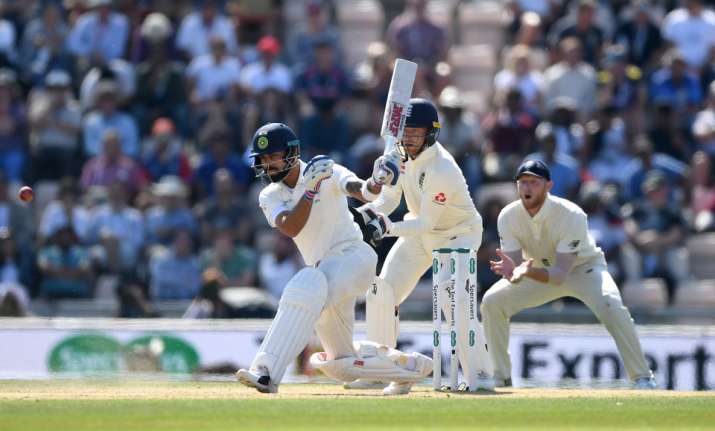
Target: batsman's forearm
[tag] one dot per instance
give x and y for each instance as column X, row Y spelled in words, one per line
column 291, row 222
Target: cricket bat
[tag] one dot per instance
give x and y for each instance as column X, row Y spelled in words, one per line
column 398, row 104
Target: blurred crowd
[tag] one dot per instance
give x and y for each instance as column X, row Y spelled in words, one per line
column 131, row 120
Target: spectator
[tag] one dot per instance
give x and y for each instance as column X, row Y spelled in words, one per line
column 170, row 214
column 604, row 225
column 198, row 27
column 15, row 217
column 530, row 34
column 66, row 210
column 667, row 134
column 219, row 156
column 65, row 267
column 691, row 30
column 134, row 301
column 573, row 78
column 564, row 168
column 214, row 75
column 55, row 123
column 461, row 135
column 607, row 150
column 277, row 266
column 113, row 165
column 176, row 274
column 325, row 131
column 412, row 35
column 569, row 133
column 8, row 36
column 163, row 153
column 154, row 34
column 704, row 125
column 640, row 36
column 656, row 232
column 268, row 72
column 105, row 117
column 116, row 231
column 43, row 46
column 509, row 130
column 489, row 210
column 584, row 29
column 518, row 73
column 225, row 209
column 208, row 303
column 646, row 160
column 323, row 80
column 268, row 106
column 16, row 269
column 301, row 49
column 13, row 128
column 702, row 193
column 673, row 84
column 160, row 85
column 236, row 261
column 620, row 83
column 100, row 35
column 119, row 72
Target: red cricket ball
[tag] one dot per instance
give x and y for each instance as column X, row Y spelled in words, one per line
column 26, row 194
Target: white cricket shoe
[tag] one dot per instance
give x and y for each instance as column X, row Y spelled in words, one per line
column 645, row 383
column 365, row 384
column 257, row 378
column 398, row 388
column 484, row 383
column 502, row 383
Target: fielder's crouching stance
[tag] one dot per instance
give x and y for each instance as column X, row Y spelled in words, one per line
column 441, row 214
column 307, row 202
column 547, row 253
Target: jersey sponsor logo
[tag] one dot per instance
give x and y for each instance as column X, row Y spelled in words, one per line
column 574, row 244
column 359, row 363
column 440, row 198
column 262, row 143
column 421, row 181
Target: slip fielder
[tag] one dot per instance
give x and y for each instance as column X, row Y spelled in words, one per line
column 547, row 253
column 308, row 203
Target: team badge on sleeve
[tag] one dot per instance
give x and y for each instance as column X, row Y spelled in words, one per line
column 440, row 198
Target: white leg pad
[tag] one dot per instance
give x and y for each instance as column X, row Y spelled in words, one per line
column 375, row 362
column 300, row 306
column 381, row 313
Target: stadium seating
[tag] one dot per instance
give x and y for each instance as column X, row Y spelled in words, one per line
column 649, row 293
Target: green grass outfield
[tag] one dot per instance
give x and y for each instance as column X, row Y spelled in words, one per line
column 65, row 405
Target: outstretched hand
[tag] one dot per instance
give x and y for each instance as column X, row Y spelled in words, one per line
column 520, row 271
column 504, row 267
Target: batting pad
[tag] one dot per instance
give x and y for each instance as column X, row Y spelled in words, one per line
column 300, row 306
column 375, row 362
column 381, row 315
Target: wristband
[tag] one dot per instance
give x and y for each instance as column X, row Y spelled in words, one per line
column 367, row 194
column 309, row 195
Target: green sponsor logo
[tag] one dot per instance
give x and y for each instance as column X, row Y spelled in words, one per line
column 86, row 353
column 471, row 338
column 435, row 338
column 100, row 353
column 454, row 338
column 262, row 143
column 472, row 266
column 177, row 356
column 435, row 266
column 452, row 265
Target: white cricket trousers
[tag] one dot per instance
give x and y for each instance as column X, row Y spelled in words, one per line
column 591, row 284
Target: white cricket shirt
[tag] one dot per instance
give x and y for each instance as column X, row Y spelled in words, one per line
column 560, row 226
column 329, row 223
column 437, row 197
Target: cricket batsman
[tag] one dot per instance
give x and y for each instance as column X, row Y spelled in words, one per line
column 307, row 201
column 441, row 214
column 547, row 253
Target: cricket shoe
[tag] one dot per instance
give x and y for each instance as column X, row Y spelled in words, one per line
column 257, row 378
column 645, row 384
column 365, row 384
column 484, row 383
column 502, row 383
